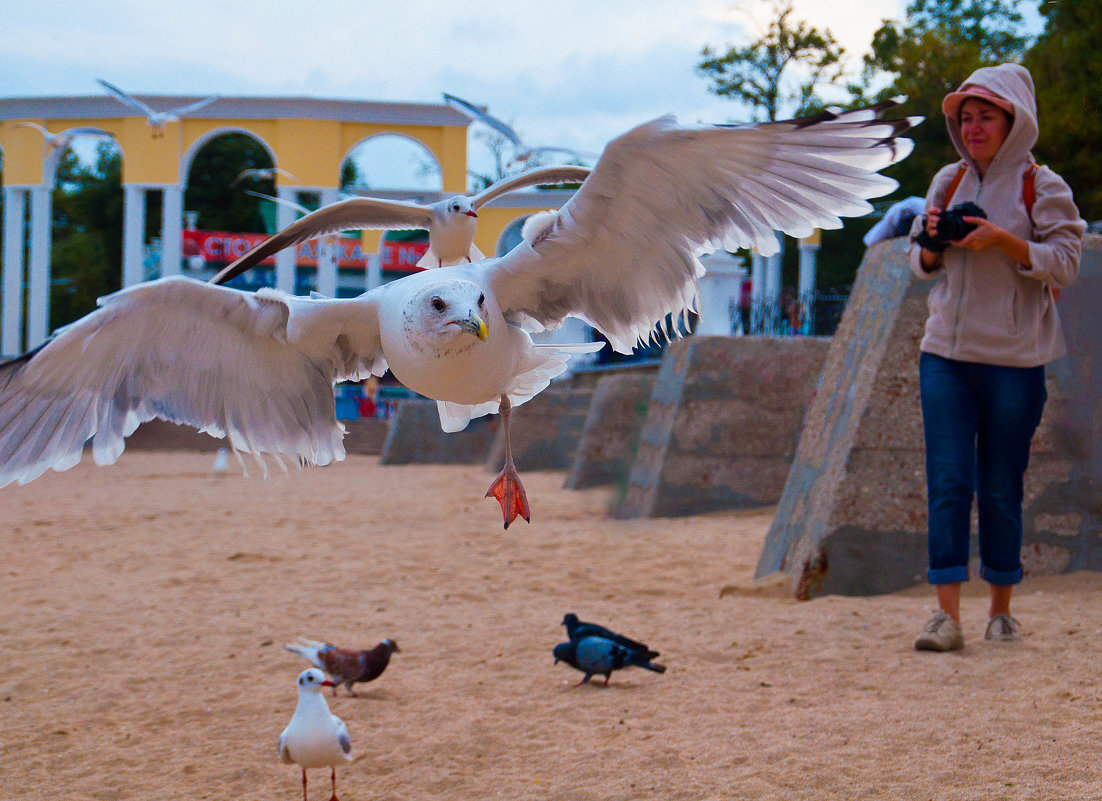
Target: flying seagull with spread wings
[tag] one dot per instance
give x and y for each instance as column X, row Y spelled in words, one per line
column 451, row 222
column 521, row 150
column 261, row 174
column 157, row 119
column 60, row 141
column 621, row 254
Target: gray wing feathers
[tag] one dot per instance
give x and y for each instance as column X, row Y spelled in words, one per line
column 354, row 213
column 566, row 174
column 256, row 368
column 343, row 738
column 622, row 253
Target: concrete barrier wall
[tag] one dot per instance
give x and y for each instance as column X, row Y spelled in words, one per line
column 722, row 424
column 545, row 431
column 852, row 518
column 415, row 437
column 610, row 438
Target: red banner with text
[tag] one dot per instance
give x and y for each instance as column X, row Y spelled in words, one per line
column 222, row 247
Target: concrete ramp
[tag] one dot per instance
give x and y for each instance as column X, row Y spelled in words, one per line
column 852, row 518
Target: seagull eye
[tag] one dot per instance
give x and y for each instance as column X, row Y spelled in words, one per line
column 481, row 300
column 438, row 304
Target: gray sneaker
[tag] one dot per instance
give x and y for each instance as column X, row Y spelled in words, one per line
column 942, row 633
column 1003, row 627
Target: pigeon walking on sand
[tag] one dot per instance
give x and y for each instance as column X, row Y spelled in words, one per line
column 315, row 737
column 601, row 656
column 451, row 222
column 580, row 629
column 621, row 254
column 346, row 666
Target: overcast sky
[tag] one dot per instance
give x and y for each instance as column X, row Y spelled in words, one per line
column 573, row 72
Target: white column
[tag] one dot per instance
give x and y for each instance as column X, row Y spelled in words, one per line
column 133, row 235
column 285, row 259
column 772, row 301
column 720, row 289
column 809, row 251
column 757, row 294
column 38, row 276
column 11, row 312
column 374, row 270
column 327, row 257
column 172, row 229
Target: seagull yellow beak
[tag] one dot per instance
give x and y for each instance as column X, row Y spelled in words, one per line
column 475, row 325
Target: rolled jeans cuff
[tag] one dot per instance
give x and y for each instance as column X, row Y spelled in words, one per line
column 948, row 575
column 1000, row 578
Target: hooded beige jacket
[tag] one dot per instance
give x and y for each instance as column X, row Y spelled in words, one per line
column 985, row 306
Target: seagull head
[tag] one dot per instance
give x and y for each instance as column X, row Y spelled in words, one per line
column 459, row 206
column 444, row 311
column 312, row 680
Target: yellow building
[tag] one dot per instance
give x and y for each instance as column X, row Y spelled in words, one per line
column 308, row 138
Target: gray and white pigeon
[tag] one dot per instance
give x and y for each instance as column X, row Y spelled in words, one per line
column 601, row 656
column 315, row 737
column 451, row 222
column 621, row 254
column 346, row 666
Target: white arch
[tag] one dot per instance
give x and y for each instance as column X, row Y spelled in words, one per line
column 398, row 135
column 202, row 141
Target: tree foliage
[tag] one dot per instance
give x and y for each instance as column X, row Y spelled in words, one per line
column 1066, row 62
column 86, row 260
column 760, row 74
column 940, row 44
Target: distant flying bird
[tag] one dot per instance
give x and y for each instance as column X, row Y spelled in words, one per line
column 60, row 141
column 521, row 150
column 261, row 174
column 599, row 656
column 315, row 737
column 157, row 119
column 621, row 254
column 451, row 222
column 346, row 665
column 580, row 629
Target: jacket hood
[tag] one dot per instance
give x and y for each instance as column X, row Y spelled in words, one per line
column 1013, row 83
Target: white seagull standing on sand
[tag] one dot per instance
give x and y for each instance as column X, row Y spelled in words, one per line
column 451, row 222
column 315, row 737
column 621, row 254
column 157, row 119
column 521, row 150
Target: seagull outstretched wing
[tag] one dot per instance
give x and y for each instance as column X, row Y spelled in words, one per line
column 189, row 352
column 357, row 212
column 622, row 252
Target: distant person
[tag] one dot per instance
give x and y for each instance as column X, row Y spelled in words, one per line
column 992, row 327
column 897, row 221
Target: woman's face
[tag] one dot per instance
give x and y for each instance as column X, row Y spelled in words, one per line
column 983, row 127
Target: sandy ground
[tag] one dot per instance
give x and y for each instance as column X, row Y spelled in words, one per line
column 145, row 605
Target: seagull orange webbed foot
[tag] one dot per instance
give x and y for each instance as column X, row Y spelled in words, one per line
column 507, row 488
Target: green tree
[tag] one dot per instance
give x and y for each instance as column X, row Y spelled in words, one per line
column 86, row 261
column 940, row 43
column 222, row 205
column 1066, row 61
column 759, row 74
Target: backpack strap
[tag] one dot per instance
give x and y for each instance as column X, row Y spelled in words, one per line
column 962, row 168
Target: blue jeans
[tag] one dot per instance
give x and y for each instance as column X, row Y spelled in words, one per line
column 979, row 420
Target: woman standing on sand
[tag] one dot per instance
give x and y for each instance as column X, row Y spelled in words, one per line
column 992, row 327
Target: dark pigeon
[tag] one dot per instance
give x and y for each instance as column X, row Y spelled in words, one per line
column 346, row 665
column 598, row 655
column 577, row 629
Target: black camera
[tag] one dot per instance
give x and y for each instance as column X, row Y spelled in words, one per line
column 951, row 227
